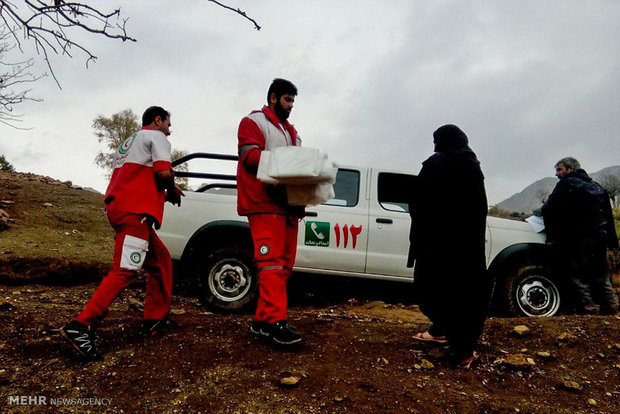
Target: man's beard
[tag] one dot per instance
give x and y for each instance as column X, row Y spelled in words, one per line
column 281, row 113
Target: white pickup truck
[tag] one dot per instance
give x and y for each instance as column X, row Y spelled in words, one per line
column 363, row 232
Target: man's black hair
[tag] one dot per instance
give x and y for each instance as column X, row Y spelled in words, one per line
column 281, row 87
column 153, row 112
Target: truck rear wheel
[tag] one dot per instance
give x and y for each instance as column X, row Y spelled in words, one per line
column 227, row 280
column 531, row 290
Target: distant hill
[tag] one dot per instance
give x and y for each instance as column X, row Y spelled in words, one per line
column 534, row 194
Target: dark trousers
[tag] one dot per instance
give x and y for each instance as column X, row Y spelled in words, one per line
column 585, row 265
column 455, row 300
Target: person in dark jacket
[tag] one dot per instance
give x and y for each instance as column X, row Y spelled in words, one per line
column 448, row 211
column 580, row 227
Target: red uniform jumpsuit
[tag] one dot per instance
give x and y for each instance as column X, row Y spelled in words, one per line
column 134, row 205
column 272, row 222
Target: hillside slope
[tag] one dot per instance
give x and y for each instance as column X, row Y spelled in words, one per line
column 54, row 231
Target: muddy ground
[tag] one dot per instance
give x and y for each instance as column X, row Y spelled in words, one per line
column 357, row 357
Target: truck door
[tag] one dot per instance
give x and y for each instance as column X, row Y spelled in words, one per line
column 334, row 235
column 389, row 223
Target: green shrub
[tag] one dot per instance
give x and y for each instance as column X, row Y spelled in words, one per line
column 5, row 165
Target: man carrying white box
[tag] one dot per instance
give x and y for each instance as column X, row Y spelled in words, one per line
column 273, row 222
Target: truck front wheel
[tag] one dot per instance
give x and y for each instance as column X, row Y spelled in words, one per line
column 227, row 280
column 530, row 290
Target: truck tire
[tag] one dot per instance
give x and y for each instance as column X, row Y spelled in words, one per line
column 227, row 280
column 531, row 290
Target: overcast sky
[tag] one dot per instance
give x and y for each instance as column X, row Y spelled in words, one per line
column 529, row 82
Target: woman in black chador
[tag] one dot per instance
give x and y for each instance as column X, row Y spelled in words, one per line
column 448, row 210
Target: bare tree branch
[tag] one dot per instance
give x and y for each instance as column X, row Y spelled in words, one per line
column 49, row 26
column 238, row 11
column 12, row 76
column 45, row 26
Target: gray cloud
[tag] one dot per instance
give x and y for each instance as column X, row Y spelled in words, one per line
column 529, row 81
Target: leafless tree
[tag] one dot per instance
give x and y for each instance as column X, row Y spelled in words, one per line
column 611, row 183
column 12, row 75
column 47, row 26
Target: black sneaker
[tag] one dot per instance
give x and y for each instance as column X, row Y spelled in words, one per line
column 83, row 340
column 609, row 310
column 260, row 329
column 284, row 334
column 152, row 327
column 589, row 309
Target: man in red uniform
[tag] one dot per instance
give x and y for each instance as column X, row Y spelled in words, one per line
column 141, row 182
column 273, row 222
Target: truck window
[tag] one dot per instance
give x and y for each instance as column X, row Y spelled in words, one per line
column 346, row 188
column 393, row 191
